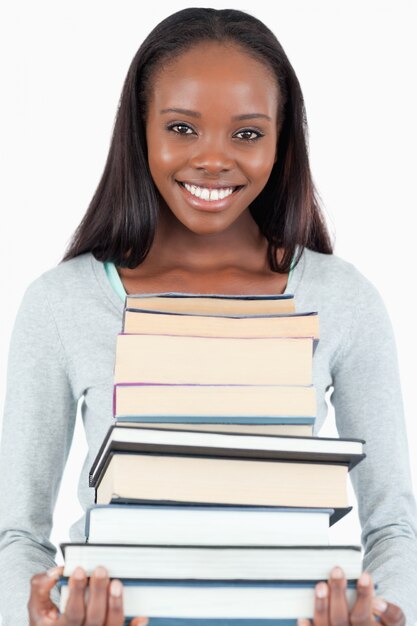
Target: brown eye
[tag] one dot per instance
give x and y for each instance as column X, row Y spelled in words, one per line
column 172, row 126
column 250, row 131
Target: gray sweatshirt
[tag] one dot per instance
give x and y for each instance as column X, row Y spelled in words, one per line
column 62, row 349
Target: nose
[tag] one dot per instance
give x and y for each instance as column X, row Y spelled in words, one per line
column 212, row 155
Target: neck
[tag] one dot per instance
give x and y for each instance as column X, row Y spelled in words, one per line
column 240, row 246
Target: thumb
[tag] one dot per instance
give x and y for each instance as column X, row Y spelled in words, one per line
column 389, row 614
column 41, row 584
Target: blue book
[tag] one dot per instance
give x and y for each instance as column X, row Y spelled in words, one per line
column 173, row 621
column 220, row 603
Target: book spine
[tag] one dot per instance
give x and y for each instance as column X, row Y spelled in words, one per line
column 218, row 419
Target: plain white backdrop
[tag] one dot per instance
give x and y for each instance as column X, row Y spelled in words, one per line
column 63, row 65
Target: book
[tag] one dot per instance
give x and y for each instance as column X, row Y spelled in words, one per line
column 216, row 304
column 213, row 360
column 168, row 323
column 188, row 466
column 151, row 477
column 199, row 480
column 213, row 562
column 173, row 621
column 287, row 600
column 217, row 404
column 226, row 445
column 209, row 525
column 293, row 430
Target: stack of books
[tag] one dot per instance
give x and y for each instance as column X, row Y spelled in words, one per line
column 213, row 497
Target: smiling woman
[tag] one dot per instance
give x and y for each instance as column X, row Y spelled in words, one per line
column 207, row 189
column 212, row 151
column 251, row 139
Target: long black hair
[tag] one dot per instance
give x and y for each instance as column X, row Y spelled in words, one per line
column 119, row 224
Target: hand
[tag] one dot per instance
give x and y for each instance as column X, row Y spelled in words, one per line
column 331, row 608
column 103, row 608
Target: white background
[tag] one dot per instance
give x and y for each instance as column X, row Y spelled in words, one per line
column 62, row 67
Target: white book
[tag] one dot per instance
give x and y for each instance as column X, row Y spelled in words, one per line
column 213, row 562
column 209, row 525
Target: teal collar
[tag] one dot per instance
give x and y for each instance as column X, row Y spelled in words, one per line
column 116, row 283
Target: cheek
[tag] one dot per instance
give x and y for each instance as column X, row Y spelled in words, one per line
column 259, row 167
column 260, row 161
column 163, row 156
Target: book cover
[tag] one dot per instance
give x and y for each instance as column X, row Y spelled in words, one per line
column 225, row 445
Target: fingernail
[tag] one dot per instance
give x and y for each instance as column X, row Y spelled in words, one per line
column 100, row 572
column 54, row 572
column 116, row 588
column 78, row 573
column 379, row 604
column 337, row 572
column 321, row 590
column 364, row 580
column 53, row 614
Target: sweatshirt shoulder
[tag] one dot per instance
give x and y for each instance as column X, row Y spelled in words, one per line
column 338, row 277
column 65, row 278
column 63, row 287
column 72, row 272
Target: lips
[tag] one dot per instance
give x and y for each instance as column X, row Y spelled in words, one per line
column 207, row 205
column 206, row 186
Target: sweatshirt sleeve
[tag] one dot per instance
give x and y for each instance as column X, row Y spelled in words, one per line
column 38, row 424
column 368, row 404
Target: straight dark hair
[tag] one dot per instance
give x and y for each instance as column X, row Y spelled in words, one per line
column 120, row 222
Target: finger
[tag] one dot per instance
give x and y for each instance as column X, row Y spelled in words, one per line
column 50, row 619
column 75, row 608
column 321, row 605
column 40, row 602
column 139, row 621
column 361, row 614
column 97, row 597
column 390, row 614
column 115, row 612
column 338, row 607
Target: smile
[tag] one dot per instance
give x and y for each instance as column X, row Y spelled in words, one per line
column 209, row 194
column 209, row 199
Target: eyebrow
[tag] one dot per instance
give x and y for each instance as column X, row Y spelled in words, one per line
column 244, row 116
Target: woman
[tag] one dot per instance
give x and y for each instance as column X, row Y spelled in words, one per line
column 210, row 102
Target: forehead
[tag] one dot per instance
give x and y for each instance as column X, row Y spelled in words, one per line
column 216, row 75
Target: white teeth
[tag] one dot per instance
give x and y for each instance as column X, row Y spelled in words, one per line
column 209, row 194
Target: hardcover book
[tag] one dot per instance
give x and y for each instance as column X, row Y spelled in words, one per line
column 215, row 304
column 279, row 325
column 213, row 360
column 197, row 600
column 213, row 562
column 186, row 524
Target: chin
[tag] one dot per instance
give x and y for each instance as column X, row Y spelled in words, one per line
column 206, row 229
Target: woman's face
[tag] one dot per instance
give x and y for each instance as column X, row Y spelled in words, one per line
column 222, row 135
